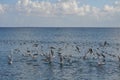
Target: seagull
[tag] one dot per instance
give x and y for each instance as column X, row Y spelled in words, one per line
column 98, row 54
column 78, row 49
column 106, row 43
column 60, row 58
column 35, row 45
column 51, row 51
column 102, row 55
column 52, row 47
column 89, row 51
column 101, row 59
column 34, row 55
column 48, row 57
column 10, row 60
column 119, row 58
column 68, row 58
column 29, row 52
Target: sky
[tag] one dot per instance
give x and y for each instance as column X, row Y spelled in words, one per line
column 59, row 13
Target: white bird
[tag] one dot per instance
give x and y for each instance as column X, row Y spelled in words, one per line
column 119, row 58
column 101, row 59
column 60, row 58
column 10, row 59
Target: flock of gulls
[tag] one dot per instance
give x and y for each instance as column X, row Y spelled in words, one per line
column 55, row 54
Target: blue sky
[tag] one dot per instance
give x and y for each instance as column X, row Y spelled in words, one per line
column 98, row 3
column 59, row 13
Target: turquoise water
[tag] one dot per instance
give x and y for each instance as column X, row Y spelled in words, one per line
column 17, row 41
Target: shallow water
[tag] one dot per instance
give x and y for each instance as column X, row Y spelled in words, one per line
column 27, row 68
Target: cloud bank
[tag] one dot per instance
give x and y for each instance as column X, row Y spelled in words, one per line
column 77, row 14
column 64, row 7
column 61, row 7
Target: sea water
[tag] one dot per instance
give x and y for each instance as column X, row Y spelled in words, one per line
column 66, row 39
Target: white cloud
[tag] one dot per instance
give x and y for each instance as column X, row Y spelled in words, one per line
column 2, row 8
column 108, row 8
column 64, row 7
column 61, row 7
column 45, row 7
column 114, row 8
